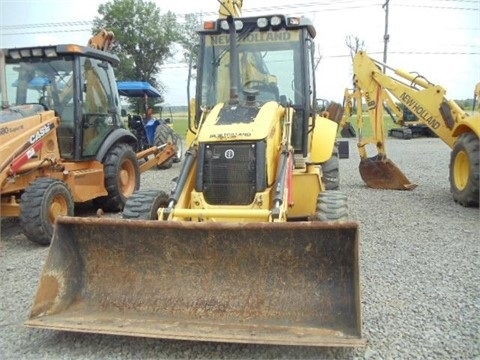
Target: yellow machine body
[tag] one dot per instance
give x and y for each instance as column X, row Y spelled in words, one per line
column 249, row 246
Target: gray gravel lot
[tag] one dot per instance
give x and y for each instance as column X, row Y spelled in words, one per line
column 420, row 277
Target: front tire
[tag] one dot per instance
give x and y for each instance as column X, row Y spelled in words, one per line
column 144, row 204
column 331, row 206
column 465, row 169
column 122, row 177
column 40, row 205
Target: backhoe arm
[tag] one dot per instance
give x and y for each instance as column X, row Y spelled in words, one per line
column 230, row 8
column 103, row 40
column 426, row 100
column 428, row 103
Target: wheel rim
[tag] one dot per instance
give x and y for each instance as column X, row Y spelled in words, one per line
column 127, row 178
column 461, row 170
column 59, row 206
column 178, row 143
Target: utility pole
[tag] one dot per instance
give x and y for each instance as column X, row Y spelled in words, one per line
column 386, row 37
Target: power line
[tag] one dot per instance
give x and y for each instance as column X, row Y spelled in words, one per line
column 48, row 32
column 346, row 5
column 41, row 25
column 438, row 7
column 328, row 6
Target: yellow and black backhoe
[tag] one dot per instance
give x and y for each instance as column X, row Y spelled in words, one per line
column 428, row 102
column 62, row 140
column 249, row 247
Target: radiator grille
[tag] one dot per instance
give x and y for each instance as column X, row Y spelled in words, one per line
column 229, row 173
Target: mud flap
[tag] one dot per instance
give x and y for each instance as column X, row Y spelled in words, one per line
column 268, row 283
column 381, row 173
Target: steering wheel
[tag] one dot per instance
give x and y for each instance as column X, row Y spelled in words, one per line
column 262, row 86
column 45, row 102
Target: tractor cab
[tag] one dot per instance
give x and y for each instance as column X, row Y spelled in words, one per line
column 77, row 82
column 273, row 60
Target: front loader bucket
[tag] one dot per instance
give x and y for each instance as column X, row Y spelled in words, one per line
column 268, row 283
column 378, row 172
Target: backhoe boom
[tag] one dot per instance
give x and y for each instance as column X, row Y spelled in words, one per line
column 459, row 130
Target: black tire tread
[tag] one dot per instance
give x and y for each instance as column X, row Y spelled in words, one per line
column 143, row 204
column 33, row 218
column 331, row 171
column 469, row 197
column 115, row 200
column 164, row 134
column 331, row 206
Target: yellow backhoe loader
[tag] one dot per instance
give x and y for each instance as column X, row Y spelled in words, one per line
column 459, row 130
column 62, row 140
column 249, row 247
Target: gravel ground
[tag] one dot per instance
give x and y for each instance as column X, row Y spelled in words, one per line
column 420, row 278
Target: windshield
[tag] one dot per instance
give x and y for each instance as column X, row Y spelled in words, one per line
column 39, row 81
column 268, row 61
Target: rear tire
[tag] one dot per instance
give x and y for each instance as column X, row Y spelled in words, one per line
column 465, row 169
column 122, row 177
column 331, row 171
column 164, row 134
column 144, row 204
column 331, row 206
column 40, row 205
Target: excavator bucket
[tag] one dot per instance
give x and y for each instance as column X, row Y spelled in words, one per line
column 378, row 172
column 268, row 283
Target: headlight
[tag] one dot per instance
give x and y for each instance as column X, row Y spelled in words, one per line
column 50, row 52
column 14, row 54
column 275, row 21
column 224, row 25
column 37, row 52
column 238, row 25
column 25, row 53
column 262, row 22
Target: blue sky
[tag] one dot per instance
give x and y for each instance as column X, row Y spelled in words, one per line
column 439, row 39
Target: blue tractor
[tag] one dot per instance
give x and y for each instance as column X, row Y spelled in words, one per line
column 150, row 131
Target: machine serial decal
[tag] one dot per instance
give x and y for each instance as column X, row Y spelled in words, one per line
column 8, row 130
column 230, row 135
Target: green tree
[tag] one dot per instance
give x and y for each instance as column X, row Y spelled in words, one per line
column 143, row 37
column 189, row 37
